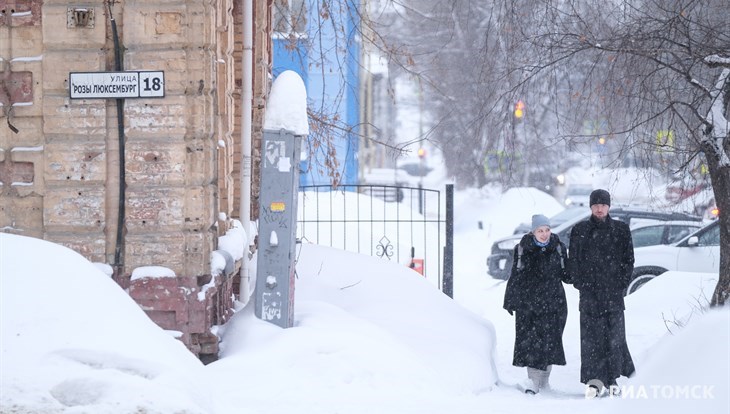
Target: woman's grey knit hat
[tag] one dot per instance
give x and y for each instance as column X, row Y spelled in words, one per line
column 539, row 220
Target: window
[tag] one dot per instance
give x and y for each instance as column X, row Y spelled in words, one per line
column 711, row 237
column 677, row 233
column 290, row 17
column 647, row 236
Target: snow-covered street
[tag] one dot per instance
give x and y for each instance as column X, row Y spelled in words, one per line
column 369, row 335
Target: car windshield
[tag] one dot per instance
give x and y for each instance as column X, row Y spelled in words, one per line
column 568, row 224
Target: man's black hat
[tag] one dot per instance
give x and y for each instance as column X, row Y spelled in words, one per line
column 600, row 197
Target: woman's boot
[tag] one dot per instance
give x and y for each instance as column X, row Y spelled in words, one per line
column 532, row 383
column 545, row 378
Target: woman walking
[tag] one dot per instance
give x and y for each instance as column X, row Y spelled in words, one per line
column 536, row 296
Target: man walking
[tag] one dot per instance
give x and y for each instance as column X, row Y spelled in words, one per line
column 600, row 266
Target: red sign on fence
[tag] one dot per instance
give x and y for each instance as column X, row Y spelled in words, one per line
column 417, row 265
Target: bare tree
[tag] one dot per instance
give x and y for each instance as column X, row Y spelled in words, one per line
column 465, row 56
column 656, row 65
column 656, row 73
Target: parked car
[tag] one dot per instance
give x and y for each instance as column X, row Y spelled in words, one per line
column 416, row 169
column 654, row 232
column 385, row 176
column 499, row 263
column 385, row 183
column 684, row 188
column 698, row 252
column 555, row 220
column 578, row 195
column 702, row 203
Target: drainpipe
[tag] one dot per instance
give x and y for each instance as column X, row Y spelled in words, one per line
column 120, row 242
column 246, row 103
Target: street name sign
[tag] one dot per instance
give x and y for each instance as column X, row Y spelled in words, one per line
column 116, row 85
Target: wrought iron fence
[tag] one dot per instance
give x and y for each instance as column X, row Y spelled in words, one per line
column 407, row 225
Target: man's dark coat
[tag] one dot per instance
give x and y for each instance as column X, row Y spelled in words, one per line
column 600, row 266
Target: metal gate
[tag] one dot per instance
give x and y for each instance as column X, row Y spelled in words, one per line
column 408, row 225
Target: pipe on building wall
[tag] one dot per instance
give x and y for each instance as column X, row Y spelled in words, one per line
column 366, row 155
column 7, row 107
column 119, row 247
column 246, row 128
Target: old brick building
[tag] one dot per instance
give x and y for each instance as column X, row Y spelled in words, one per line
column 60, row 157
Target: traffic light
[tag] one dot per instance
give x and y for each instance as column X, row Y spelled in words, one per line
column 519, row 109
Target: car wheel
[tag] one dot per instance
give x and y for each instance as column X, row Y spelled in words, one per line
column 500, row 276
column 496, row 271
column 643, row 275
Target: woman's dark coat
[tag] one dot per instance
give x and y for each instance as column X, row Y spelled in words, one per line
column 600, row 266
column 535, row 293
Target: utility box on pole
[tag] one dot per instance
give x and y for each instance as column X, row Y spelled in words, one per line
column 277, row 227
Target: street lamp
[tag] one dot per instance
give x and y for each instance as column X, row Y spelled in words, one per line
column 421, row 159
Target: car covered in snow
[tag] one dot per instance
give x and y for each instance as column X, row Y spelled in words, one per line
column 385, row 183
column 698, row 252
column 578, row 195
column 555, row 220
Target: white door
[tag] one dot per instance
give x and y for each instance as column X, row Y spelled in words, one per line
column 705, row 256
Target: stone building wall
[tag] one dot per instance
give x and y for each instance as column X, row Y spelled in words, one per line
column 60, row 172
